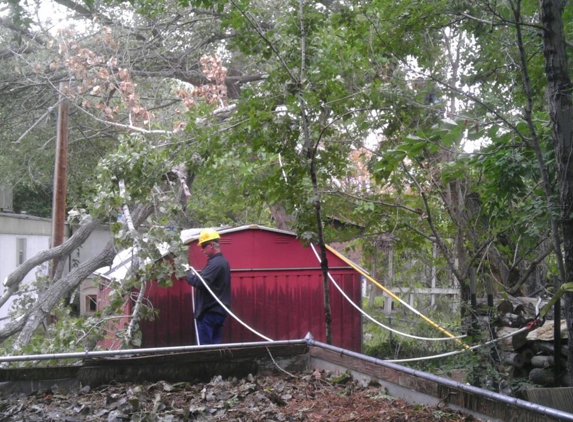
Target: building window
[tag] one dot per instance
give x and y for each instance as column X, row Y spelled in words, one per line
column 21, row 246
column 91, row 303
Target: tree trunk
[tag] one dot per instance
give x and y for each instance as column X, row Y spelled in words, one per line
column 371, row 292
column 544, row 361
column 283, row 221
column 388, row 300
column 559, row 95
column 512, row 343
column 513, row 359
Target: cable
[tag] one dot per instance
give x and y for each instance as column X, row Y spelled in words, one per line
column 415, row 311
column 457, row 352
column 374, row 320
column 282, row 168
column 450, row 335
column 468, row 348
column 194, row 320
column 227, row 309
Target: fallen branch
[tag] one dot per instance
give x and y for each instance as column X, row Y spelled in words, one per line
column 12, row 282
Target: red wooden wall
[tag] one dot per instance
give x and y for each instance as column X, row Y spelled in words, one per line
column 287, row 305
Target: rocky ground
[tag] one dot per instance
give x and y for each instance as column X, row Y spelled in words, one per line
column 313, row 396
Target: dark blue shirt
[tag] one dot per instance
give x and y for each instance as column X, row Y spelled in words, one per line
column 217, row 275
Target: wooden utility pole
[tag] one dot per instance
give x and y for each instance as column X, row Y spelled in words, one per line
column 60, row 173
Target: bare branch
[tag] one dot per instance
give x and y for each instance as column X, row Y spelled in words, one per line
column 37, row 122
column 22, row 31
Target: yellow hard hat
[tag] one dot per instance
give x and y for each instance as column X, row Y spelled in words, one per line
column 207, row 235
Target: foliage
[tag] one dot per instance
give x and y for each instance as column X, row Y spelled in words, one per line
column 479, row 367
column 34, row 200
column 384, row 344
column 66, row 334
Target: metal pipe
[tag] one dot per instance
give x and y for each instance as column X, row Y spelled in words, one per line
column 512, row 401
column 149, row 351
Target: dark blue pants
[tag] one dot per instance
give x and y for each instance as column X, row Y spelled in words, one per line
column 210, row 327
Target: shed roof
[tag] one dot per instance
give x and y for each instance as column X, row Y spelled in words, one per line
column 122, row 263
column 191, row 235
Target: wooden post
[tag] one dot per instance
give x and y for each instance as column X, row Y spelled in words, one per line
column 60, row 173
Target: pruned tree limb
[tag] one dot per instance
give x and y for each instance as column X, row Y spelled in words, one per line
column 136, row 313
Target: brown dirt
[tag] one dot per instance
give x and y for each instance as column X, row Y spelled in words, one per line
column 316, row 396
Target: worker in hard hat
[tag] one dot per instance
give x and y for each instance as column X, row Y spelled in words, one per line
column 209, row 313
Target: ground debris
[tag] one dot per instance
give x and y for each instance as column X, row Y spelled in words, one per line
column 314, row 396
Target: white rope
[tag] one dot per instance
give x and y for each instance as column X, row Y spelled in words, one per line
column 375, row 321
column 347, row 298
column 227, row 309
column 194, row 320
column 459, row 351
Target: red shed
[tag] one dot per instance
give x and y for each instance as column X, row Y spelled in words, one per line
column 276, row 290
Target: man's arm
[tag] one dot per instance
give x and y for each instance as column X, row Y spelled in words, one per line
column 209, row 273
column 193, row 280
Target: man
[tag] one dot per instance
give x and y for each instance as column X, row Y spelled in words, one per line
column 209, row 313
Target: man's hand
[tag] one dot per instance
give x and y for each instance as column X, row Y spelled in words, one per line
column 187, row 267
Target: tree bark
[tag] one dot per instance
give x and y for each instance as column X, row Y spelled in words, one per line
column 513, row 359
column 544, row 361
column 512, row 343
column 560, row 109
column 282, row 219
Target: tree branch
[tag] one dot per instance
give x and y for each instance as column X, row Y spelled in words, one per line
column 532, row 266
column 22, row 31
column 48, row 299
column 373, row 201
